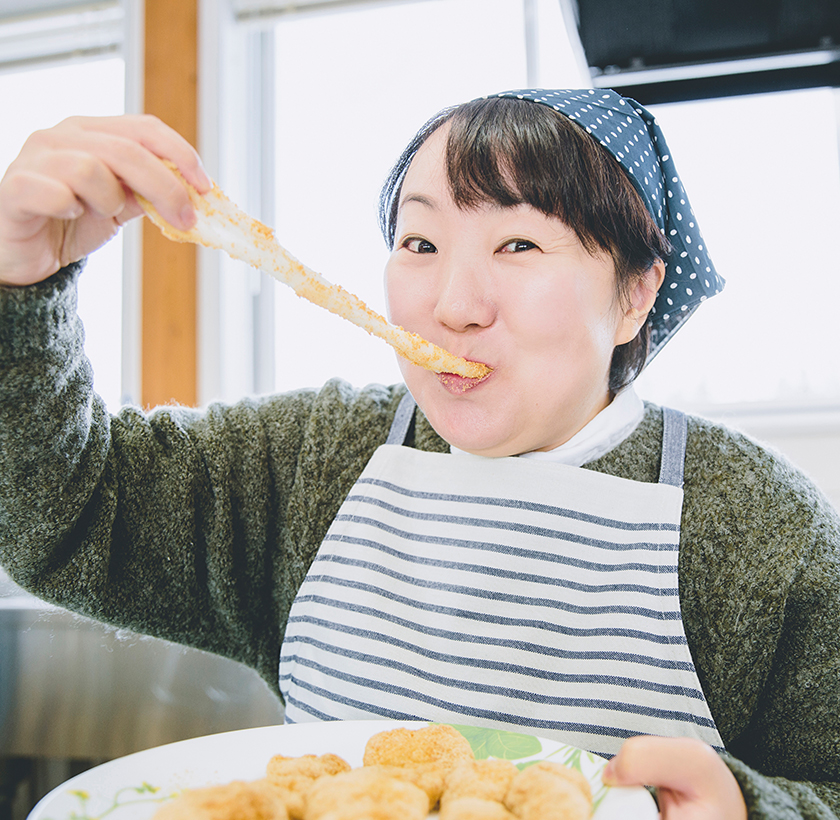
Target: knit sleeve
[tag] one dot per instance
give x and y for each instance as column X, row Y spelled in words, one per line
column 194, row 526
column 760, row 586
column 793, row 739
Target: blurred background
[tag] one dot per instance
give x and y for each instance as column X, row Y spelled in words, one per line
column 299, row 109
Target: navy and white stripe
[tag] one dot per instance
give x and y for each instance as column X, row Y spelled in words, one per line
column 497, row 606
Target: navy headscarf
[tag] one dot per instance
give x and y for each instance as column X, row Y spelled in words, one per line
column 632, row 136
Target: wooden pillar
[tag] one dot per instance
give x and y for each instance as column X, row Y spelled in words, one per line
column 169, row 332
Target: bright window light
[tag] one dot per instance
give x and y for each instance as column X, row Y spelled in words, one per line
column 763, row 176
column 40, row 98
column 352, row 89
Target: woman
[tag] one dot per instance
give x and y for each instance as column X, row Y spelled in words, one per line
column 680, row 590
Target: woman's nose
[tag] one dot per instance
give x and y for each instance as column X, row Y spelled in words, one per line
column 464, row 300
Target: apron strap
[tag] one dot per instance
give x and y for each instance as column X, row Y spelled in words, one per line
column 674, row 436
column 402, row 420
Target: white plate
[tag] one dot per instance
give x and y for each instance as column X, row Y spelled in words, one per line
column 133, row 787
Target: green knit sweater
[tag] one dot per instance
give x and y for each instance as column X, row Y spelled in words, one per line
column 199, row 527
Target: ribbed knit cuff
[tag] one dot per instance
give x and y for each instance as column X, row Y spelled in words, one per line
column 38, row 317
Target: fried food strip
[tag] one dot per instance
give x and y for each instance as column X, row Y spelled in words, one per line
column 295, row 776
column 549, row 791
column 239, row 800
column 365, row 794
column 221, row 224
column 436, row 743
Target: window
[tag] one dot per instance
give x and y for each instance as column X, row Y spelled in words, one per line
column 368, row 88
column 764, row 180
column 349, row 83
column 41, row 91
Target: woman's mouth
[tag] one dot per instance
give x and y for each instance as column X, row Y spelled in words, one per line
column 455, row 384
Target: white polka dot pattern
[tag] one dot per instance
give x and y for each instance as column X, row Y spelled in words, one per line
column 631, row 134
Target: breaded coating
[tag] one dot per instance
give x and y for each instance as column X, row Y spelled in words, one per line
column 402, row 747
column 485, row 779
column 239, row 800
column 294, row 776
column 474, row 808
column 427, row 776
column 549, row 791
column 365, row 794
column 310, row 766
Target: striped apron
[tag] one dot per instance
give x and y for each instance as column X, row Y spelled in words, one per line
column 524, row 595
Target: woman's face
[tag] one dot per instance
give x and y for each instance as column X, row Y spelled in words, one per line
column 511, row 288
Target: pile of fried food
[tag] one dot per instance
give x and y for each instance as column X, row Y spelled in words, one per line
column 406, row 774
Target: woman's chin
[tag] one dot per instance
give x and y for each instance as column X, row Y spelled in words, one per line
column 466, row 432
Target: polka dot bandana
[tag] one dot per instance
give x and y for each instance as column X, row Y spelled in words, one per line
column 631, row 134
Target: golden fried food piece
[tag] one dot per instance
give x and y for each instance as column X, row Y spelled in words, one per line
column 427, row 776
column 311, row 766
column 549, row 791
column 436, row 743
column 474, row 808
column 476, row 789
column 239, row 800
column 294, row 776
column 365, row 794
column 486, row 779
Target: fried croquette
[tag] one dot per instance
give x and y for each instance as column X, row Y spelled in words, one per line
column 485, row 779
column 436, row 743
column 239, row 800
column 427, row 776
column 549, row 791
column 474, row 808
column 295, row 775
column 365, row 794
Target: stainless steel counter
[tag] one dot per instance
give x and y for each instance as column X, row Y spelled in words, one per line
column 71, row 688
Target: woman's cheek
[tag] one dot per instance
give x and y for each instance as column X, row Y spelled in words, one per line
column 408, row 298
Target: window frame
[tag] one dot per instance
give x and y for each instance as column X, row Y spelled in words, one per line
column 55, row 32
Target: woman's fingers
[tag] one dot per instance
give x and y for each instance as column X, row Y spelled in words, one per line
column 692, row 780
column 159, row 139
column 72, row 187
column 31, row 193
column 96, row 156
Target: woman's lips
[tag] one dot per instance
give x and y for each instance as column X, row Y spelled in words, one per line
column 455, row 384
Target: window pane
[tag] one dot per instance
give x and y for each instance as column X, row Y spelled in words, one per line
column 41, row 98
column 353, row 87
column 764, row 180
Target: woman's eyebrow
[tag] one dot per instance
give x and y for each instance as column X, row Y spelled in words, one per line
column 421, row 198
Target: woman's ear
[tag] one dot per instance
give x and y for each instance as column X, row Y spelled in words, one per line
column 642, row 296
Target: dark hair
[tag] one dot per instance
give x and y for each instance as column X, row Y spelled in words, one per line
column 511, row 152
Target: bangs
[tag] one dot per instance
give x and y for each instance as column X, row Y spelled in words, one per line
column 507, row 152
column 502, row 152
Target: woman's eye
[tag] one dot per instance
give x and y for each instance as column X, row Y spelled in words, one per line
column 417, row 245
column 517, row 246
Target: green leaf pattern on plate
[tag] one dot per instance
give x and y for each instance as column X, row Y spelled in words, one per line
column 486, row 742
column 129, row 796
column 498, row 743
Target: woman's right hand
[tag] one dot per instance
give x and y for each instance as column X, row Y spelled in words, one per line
column 70, row 190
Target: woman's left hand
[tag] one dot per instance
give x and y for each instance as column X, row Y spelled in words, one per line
column 692, row 781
